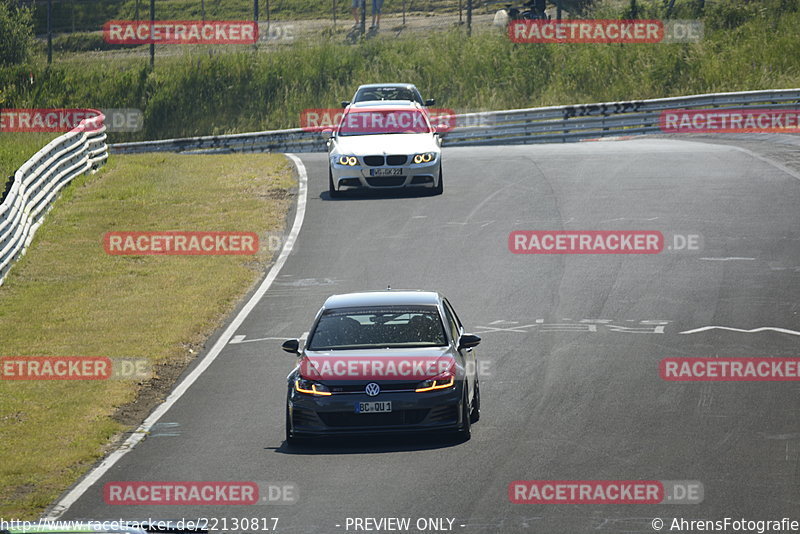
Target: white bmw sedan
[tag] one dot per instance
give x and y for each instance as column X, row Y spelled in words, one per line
column 384, row 145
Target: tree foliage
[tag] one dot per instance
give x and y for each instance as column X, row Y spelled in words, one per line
column 16, row 33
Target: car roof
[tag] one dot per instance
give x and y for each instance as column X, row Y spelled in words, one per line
column 392, row 85
column 383, row 298
column 386, row 104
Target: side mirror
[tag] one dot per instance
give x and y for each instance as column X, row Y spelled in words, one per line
column 468, row 341
column 430, row 102
column 292, row 346
column 345, row 103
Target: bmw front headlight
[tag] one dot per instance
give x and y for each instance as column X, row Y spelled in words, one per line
column 350, row 161
column 425, row 157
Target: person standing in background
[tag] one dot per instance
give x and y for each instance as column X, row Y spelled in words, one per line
column 377, row 5
column 356, row 6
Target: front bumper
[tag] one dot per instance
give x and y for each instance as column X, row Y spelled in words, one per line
column 411, row 412
column 423, row 175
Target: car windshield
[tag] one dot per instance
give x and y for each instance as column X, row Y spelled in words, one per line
column 384, row 327
column 384, row 121
column 386, row 93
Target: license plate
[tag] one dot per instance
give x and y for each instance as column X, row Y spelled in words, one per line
column 386, row 172
column 374, row 407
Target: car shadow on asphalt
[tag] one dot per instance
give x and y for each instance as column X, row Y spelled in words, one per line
column 372, row 194
column 369, row 444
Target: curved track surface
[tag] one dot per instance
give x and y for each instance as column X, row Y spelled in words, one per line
column 572, row 345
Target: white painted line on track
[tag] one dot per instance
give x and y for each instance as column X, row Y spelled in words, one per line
column 752, row 331
column 777, row 165
column 95, row 474
column 241, row 339
column 729, row 258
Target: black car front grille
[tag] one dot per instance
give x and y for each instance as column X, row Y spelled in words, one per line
column 374, row 161
column 385, row 386
column 398, row 418
column 386, row 181
column 396, row 160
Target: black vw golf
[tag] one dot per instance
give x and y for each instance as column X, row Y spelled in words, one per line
column 381, row 362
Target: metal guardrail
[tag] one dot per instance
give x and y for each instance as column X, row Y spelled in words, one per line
column 37, row 183
column 517, row 126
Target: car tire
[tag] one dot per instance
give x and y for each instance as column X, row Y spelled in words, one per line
column 332, row 192
column 291, row 440
column 475, row 410
column 465, row 432
column 439, row 189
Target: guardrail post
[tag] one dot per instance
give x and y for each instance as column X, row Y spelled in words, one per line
column 469, row 17
column 152, row 45
column 49, row 32
column 363, row 17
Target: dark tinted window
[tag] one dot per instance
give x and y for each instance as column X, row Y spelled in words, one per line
column 391, row 327
column 388, row 93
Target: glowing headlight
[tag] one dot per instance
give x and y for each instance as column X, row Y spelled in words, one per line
column 424, row 158
column 347, row 160
column 310, row 387
column 442, row 381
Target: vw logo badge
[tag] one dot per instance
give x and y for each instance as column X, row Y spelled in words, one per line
column 372, row 389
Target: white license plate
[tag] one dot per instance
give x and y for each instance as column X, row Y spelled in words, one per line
column 374, row 407
column 386, row 172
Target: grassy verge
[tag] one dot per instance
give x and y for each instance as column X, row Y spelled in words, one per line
column 16, row 149
column 225, row 92
column 66, row 297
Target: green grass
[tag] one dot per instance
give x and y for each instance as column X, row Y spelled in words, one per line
column 66, row 297
column 218, row 91
column 16, row 149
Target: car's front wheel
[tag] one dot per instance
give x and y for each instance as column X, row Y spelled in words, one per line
column 439, row 189
column 332, row 192
column 290, row 439
column 465, row 432
column 475, row 412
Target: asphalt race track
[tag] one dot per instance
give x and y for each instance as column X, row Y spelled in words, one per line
column 572, row 345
